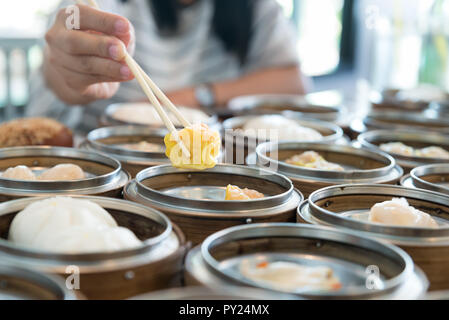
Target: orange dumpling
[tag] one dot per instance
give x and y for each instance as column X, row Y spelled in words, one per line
column 203, row 144
column 234, row 193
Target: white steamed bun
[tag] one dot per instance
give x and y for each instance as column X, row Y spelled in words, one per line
column 68, row 225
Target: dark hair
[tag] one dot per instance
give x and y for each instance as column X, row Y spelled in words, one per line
column 232, row 22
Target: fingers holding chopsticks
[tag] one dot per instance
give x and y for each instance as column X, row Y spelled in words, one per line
column 89, row 56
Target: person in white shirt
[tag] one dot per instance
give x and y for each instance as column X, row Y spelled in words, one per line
column 200, row 52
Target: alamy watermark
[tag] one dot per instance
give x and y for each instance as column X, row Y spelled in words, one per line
column 73, row 21
column 73, row 280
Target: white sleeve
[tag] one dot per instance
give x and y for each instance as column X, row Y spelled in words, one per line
column 274, row 38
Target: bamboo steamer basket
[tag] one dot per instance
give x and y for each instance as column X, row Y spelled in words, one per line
column 242, row 145
column 399, row 121
column 194, row 200
column 337, row 206
column 361, row 165
column 216, row 262
column 117, row 275
column 111, row 140
column 104, row 175
column 17, row 283
column 413, row 138
column 289, row 105
column 108, row 119
column 390, row 100
column 433, row 177
column 216, row 294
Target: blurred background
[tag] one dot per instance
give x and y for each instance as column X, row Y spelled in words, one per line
column 344, row 45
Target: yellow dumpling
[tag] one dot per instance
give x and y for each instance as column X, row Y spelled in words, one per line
column 203, row 144
column 234, row 193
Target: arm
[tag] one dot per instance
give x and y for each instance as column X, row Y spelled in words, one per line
column 272, row 64
column 278, row 80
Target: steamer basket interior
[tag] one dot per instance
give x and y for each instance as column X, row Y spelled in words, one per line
column 184, row 184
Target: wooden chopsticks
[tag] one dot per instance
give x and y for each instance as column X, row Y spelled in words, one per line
column 153, row 92
column 92, row 3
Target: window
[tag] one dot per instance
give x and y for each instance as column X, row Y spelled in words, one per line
column 19, row 52
column 320, row 25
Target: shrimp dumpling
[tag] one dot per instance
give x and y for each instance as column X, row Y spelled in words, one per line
column 398, row 212
column 234, row 193
column 19, row 173
column 63, row 172
column 291, row 276
column 398, row 148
